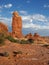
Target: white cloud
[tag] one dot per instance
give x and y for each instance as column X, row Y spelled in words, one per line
column 5, row 20
column 46, row 6
column 29, row 21
column 27, row 18
column 8, row 5
column 35, row 26
column 23, row 12
column 39, row 17
column 35, row 17
column 28, row 1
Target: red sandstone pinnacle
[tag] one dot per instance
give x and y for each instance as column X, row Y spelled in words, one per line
column 16, row 25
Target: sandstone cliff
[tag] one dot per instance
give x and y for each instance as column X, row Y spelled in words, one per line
column 3, row 28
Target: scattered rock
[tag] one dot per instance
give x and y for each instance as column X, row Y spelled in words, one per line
column 6, row 54
column 16, row 52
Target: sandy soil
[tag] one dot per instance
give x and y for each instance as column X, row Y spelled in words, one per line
column 32, row 54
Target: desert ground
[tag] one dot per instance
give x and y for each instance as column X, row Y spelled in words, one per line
column 24, row 54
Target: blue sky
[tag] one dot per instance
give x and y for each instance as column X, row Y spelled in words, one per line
column 34, row 13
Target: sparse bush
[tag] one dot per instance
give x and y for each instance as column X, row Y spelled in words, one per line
column 31, row 40
column 24, row 42
column 2, row 38
column 10, row 38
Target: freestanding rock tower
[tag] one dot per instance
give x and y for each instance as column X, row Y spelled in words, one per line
column 16, row 25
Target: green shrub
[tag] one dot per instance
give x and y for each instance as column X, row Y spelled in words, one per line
column 31, row 40
column 2, row 39
column 24, row 42
column 10, row 38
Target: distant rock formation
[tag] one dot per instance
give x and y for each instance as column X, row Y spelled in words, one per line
column 36, row 35
column 29, row 36
column 3, row 28
column 16, row 25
